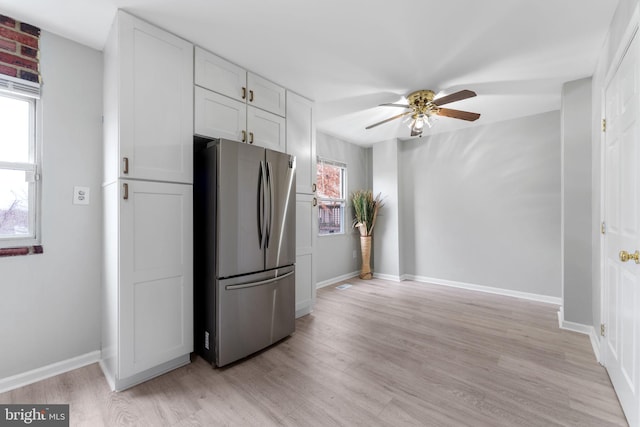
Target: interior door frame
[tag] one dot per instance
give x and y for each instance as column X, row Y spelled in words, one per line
column 625, row 42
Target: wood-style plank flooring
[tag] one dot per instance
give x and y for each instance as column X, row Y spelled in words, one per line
column 377, row 354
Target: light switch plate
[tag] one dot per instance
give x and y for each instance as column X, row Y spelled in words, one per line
column 80, row 195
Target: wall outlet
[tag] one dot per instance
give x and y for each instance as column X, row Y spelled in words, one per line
column 80, row 195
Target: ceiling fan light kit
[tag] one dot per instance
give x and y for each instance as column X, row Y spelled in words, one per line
column 423, row 106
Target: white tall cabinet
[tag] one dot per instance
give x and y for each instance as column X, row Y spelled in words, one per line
column 148, row 207
column 301, row 143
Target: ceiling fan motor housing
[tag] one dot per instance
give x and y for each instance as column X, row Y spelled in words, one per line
column 421, row 101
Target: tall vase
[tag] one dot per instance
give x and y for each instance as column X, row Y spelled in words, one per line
column 365, row 248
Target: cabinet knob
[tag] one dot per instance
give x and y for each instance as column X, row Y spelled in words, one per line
column 250, row 137
column 125, row 187
column 313, row 187
column 244, row 92
column 244, row 136
column 125, row 166
column 315, row 202
column 251, row 95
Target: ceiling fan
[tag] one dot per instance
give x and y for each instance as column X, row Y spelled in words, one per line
column 423, row 106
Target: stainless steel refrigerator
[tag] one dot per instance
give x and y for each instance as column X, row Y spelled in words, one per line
column 244, row 233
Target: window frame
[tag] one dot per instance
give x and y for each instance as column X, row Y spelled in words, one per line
column 341, row 201
column 33, row 167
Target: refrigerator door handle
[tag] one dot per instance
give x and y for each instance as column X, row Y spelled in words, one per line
column 261, row 195
column 271, row 201
column 260, row 283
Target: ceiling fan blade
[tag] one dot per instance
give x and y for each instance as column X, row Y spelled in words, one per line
column 457, row 114
column 395, row 105
column 457, row 96
column 388, row 120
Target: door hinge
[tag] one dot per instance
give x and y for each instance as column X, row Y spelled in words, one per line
column 603, row 228
column 604, row 125
column 602, row 329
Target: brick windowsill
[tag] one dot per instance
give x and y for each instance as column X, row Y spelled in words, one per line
column 24, row 250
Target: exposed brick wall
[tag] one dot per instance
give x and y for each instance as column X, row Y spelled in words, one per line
column 19, row 49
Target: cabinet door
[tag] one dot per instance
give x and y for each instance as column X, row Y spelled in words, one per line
column 220, row 75
column 266, row 95
column 301, row 141
column 156, row 103
column 306, row 230
column 266, row 129
column 217, row 116
column 156, row 274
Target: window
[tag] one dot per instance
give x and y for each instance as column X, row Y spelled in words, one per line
column 332, row 187
column 18, row 171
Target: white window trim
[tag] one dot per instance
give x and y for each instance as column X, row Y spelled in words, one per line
column 343, row 200
column 34, row 167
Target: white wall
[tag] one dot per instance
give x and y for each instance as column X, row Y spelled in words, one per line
column 49, row 303
column 387, row 234
column 335, row 252
column 576, row 201
column 482, row 205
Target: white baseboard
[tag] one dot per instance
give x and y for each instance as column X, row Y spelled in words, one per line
column 121, row 384
column 337, row 279
column 487, row 289
column 581, row 329
column 595, row 343
column 39, row 374
column 389, row 277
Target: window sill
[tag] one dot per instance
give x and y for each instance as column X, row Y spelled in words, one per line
column 23, row 250
column 332, row 234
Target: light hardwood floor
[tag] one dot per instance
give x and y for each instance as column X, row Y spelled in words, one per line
column 376, row 354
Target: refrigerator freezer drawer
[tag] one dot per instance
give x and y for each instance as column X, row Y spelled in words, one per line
column 253, row 314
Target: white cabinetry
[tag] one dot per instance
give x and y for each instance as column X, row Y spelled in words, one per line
column 148, row 207
column 301, row 143
column 266, row 130
column 233, row 103
column 306, row 230
column 217, row 116
column 148, row 280
column 266, row 95
column 149, row 103
column 221, row 76
column 301, row 135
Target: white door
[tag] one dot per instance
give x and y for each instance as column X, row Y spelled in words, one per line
column 265, row 94
column 622, row 218
column 266, row 129
column 306, row 231
column 220, row 75
column 156, row 103
column 156, row 274
column 217, row 116
column 301, row 141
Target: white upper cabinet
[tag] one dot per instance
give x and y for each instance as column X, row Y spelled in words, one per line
column 301, row 141
column 153, row 103
column 220, row 75
column 217, row 116
column 266, row 130
column 228, row 79
column 266, row 95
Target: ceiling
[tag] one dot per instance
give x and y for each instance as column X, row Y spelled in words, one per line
column 349, row 56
